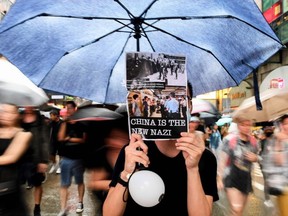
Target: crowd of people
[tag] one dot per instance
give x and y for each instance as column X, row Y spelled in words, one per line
column 167, row 107
column 30, row 145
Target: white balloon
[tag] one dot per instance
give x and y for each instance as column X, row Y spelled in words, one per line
column 146, row 188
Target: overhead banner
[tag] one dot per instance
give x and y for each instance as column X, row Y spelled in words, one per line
column 157, row 95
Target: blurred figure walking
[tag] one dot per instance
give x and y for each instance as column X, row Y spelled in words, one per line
column 36, row 159
column 14, row 141
column 266, row 140
column 238, row 152
column 71, row 151
column 55, row 123
column 281, row 159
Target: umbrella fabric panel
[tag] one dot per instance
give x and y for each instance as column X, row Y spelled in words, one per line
column 50, row 30
column 91, row 85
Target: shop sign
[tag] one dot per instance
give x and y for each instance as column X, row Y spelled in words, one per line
column 277, row 83
column 239, row 93
column 273, row 12
column 275, row 79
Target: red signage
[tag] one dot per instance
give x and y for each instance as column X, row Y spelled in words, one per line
column 277, row 83
column 273, row 12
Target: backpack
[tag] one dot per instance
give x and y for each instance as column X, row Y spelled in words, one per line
column 233, row 139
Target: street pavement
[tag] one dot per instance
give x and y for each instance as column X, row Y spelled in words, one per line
column 92, row 206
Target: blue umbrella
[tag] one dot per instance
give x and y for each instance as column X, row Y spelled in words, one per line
column 78, row 47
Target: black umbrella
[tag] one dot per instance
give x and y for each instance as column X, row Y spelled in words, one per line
column 91, row 113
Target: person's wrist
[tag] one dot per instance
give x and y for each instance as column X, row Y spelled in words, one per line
column 124, row 175
column 124, row 178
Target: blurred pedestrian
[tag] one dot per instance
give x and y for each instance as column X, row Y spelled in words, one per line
column 238, row 152
column 194, row 123
column 215, row 138
column 281, row 159
column 55, row 123
column 14, row 142
column 107, row 144
column 266, row 145
column 73, row 137
column 224, row 130
column 36, row 159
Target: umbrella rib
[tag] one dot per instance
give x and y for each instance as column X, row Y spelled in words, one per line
column 117, row 61
column 97, row 39
column 146, row 36
column 213, row 17
column 146, row 10
column 126, row 9
column 187, row 42
column 64, row 16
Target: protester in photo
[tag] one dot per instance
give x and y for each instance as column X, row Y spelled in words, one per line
column 173, row 107
column 186, row 167
column 145, row 107
column 135, row 106
column 73, row 137
column 14, row 142
column 36, row 159
column 183, row 104
column 238, row 152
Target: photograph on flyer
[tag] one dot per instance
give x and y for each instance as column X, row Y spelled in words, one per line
column 157, row 94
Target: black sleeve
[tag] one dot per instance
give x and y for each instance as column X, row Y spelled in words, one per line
column 208, row 174
column 119, row 166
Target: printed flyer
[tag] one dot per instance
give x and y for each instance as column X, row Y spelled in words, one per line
column 157, row 94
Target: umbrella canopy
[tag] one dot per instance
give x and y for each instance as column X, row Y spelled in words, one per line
column 17, row 89
column 78, row 47
column 274, row 103
column 209, row 118
column 91, row 113
column 201, row 105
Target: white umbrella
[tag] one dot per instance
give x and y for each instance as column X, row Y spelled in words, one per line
column 223, row 121
column 274, row 102
column 17, row 89
column 201, row 105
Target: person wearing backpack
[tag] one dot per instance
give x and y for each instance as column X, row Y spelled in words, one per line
column 237, row 153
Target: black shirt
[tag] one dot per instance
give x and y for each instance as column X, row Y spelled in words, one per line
column 70, row 149
column 173, row 173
